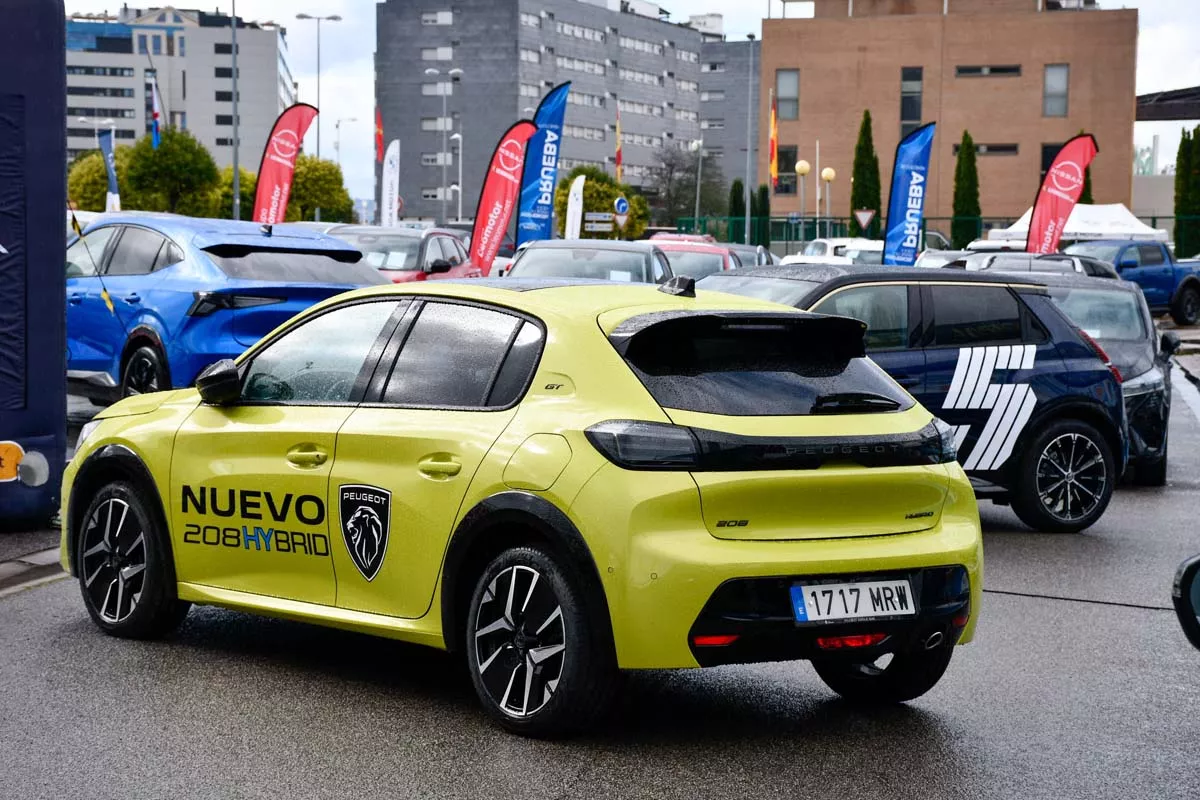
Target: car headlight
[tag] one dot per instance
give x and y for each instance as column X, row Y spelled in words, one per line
column 86, row 431
column 1152, row 380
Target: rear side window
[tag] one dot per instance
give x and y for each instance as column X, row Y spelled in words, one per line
column 753, row 367
column 87, row 254
column 136, row 252
column 1151, row 255
column 883, row 308
column 461, row 356
column 965, row 316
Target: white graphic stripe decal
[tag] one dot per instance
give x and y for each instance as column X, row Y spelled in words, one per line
column 1002, row 418
column 985, row 377
column 960, row 435
column 988, row 436
column 960, row 374
column 1011, row 404
column 1022, row 420
column 1030, row 352
column 964, row 399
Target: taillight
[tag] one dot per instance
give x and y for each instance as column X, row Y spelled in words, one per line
column 1099, row 351
column 645, row 445
column 715, row 640
column 850, row 642
column 208, row 302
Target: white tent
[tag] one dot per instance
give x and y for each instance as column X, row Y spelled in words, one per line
column 1111, row 221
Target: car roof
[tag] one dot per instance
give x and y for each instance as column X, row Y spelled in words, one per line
column 669, row 246
column 203, row 232
column 646, row 246
column 866, row 273
column 379, row 230
column 1075, row 279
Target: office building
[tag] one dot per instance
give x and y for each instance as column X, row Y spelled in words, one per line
column 729, row 82
column 617, row 53
column 110, row 59
column 1022, row 76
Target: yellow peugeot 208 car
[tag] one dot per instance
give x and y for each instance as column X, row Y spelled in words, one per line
column 559, row 479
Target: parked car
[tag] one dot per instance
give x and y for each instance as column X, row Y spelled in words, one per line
column 668, row 236
column 1036, row 405
column 555, row 482
column 750, row 255
column 932, row 259
column 409, row 254
column 1170, row 286
column 462, row 229
column 697, row 259
column 601, row 259
column 1185, row 592
column 1116, row 315
column 1059, row 263
column 994, row 245
column 184, row 292
column 837, row 251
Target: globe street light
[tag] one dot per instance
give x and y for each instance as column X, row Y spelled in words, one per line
column 457, row 137
column 319, row 20
column 109, row 123
column 802, row 170
column 454, row 74
column 828, row 175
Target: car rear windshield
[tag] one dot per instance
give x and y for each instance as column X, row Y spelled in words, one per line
column 1105, row 251
column 386, row 252
column 740, row 366
column 284, row 266
column 581, row 262
column 777, row 290
column 695, row 265
column 1103, row 315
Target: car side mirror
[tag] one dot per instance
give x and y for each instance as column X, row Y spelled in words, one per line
column 439, row 265
column 1186, row 594
column 1127, row 263
column 1170, row 342
column 220, row 384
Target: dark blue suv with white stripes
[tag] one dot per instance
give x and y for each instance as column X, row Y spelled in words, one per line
column 1035, row 403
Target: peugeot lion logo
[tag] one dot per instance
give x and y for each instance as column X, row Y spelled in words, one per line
column 366, row 512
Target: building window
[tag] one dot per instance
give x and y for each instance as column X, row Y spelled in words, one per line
column 641, row 45
column 788, row 153
column 787, row 93
column 994, row 71
column 996, row 150
column 179, row 120
column 684, row 115
column 910, row 99
column 717, row 67
column 429, row 193
column 1049, row 151
column 225, row 72
column 126, row 113
column 637, row 76
column 121, row 133
column 109, row 72
column 687, row 55
column 436, row 159
column 641, row 139
column 437, row 53
column 591, row 100
column 436, row 123
column 224, row 48
column 530, row 56
column 530, row 20
column 710, row 96
column 581, row 132
column 141, row 41
column 227, row 97
column 181, row 47
column 579, row 31
column 580, row 65
column 687, row 86
column 99, row 91
column 437, row 18
column 712, row 124
column 226, row 142
column 531, row 90
column 437, row 88
column 1055, row 90
column 224, row 119
column 635, row 107
column 714, row 152
column 156, row 45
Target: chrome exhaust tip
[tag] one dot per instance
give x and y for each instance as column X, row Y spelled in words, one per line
column 933, row 640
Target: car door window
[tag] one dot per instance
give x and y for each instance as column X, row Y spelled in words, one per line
column 883, row 308
column 433, row 252
column 321, row 360
column 135, row 253
column 1150, row 255
column 459, row 248
column 493, row 358
column 86, row 255
column 1131, row 254
column 659, row 267
column 966, row 316
column 446, row 244
column 168, row 254
column 815, row 249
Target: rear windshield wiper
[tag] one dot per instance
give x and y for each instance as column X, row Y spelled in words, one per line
column 852, row 402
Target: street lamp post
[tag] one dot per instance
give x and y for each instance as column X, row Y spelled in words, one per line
column 458, row 137
column 698, row 146
column 237, row 183
column 319, row 20
column 109, row 123
column 337, row 137
column 452, row 73
column 802, row 170
column 750, row 110
column 828, row 175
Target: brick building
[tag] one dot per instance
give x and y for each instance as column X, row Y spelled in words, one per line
column 1022, row 76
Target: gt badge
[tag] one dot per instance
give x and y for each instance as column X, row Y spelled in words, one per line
column 366, row 512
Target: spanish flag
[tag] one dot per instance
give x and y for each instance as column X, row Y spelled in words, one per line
column 620, row 169
column 774, row 144
column 378, row 135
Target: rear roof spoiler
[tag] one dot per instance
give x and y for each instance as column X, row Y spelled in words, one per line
column 236, row 250
column 839, row 338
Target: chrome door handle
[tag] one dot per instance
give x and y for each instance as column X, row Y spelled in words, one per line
column 440, row 466
column 75, row 298
column 307, row 456
column 132, row 298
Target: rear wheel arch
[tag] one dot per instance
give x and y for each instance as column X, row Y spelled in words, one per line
column 503, row 521
column 1082, row 412
column 143, row 336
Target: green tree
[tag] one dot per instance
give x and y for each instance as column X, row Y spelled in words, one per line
column 737, row 199
column 180, row 176
column 966, row 224
column 247, row 182
column 675, row 184
column 1187, row 194
column 761, row 231
column 317, row 184
column 87, row 181
column 865, row 187
column 600, row 191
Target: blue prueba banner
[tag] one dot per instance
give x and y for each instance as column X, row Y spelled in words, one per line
column 906, row 204
column 536, row 209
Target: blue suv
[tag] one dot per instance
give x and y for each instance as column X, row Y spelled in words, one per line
column 1035, row 403
column 185, row 292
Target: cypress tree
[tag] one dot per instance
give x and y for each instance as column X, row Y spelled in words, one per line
column 865, row 189
column 737, row 199
column 1183, row 195
column 764, row 215
column 965, row 227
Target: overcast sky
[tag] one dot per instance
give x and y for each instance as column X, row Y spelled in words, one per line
column 1168, row 58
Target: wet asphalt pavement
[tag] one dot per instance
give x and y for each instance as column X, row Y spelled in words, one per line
column 1079, row 685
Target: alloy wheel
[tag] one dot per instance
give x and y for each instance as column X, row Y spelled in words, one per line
column 141, row 376
column 520, row 641
column 114, row 560
column 1071, row 477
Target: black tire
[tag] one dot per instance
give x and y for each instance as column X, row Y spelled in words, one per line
column 1055, row 496
column 129, row 556
column 145, row 371
column 1186, row 309
column 906, row 677
column 518, row 658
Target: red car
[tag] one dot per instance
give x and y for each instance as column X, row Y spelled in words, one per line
column 667, row 236
column 696, row 259
column 409, row 254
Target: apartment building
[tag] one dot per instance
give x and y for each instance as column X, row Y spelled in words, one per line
column 729, row 84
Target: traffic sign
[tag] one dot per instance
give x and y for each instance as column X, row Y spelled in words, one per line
column 598, row 227
column 794, row 217
column 598, row 216
column 621, row 219
column 864, row 217
column 621, row 206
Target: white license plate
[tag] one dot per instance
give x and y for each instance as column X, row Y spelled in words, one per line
column 819, row 602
